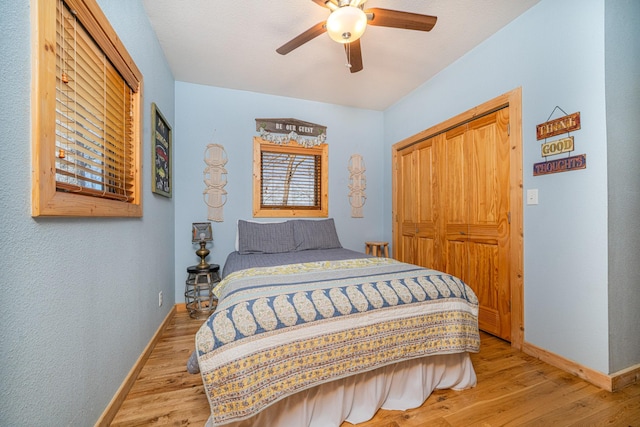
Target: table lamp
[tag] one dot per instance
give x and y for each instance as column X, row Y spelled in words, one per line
column 202, row 233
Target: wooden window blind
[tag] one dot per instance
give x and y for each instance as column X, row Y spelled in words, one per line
column 87, row 137
column 94, row 130
column 290, row 180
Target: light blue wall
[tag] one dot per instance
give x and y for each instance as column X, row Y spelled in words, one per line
column 622, row 42
column 79, row 297
column 555, row 52
column 206, row 115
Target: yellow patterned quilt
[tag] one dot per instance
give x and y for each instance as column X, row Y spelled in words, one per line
column 279, row 330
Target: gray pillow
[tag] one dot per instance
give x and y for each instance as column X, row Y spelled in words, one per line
column 265, row 238
column 315, row 234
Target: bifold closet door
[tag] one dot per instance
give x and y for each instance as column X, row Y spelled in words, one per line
column 417, row 205
column 475, row 217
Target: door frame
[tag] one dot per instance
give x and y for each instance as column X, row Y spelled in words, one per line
column 513, row 101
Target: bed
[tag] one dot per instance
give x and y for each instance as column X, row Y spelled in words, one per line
column 307, row 333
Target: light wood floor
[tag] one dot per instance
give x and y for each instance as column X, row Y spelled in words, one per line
column 513, row 389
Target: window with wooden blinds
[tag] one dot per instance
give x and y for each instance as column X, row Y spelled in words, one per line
column 290, row 180
column 87, row 139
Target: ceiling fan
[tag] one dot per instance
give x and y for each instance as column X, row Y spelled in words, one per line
column 347, row 23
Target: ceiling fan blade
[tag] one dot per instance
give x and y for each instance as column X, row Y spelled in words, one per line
column 354, row 56
column 357, row 3
column 322, row 3
column 298, row 41
column 398, row 19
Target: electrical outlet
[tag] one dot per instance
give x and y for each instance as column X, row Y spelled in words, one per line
column 160, row 299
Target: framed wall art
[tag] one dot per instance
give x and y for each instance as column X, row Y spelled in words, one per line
column 161, row 157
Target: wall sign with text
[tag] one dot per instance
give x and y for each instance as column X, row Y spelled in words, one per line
column 281, row 131
column 565, row 124
column 559, row 126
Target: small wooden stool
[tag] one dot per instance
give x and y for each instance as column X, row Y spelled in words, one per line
column 377, row 248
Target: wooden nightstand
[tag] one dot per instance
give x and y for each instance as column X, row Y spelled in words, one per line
column 198, row 291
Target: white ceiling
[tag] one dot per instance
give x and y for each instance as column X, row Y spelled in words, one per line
column 232, row 44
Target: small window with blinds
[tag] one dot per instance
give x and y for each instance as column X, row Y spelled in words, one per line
column 86, row 138
column 290, row 180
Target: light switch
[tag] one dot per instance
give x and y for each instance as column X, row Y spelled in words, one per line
column 532, row 196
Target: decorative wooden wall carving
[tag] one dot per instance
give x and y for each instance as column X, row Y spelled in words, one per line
column 215, row 178
column 357, row 185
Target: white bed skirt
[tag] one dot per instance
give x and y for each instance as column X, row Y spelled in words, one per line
column 356, row 399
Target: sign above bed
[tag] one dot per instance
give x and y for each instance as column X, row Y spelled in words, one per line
column 304, row 133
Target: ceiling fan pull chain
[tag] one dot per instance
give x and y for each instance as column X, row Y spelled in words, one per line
column 348, row 64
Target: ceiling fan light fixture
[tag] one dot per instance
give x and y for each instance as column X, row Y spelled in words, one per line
column 346, row 24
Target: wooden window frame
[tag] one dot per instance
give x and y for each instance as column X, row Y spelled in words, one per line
column 322, row 150
column 46, row 200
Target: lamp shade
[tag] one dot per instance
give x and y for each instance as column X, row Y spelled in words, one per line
column 201, row 231
column 346, row 24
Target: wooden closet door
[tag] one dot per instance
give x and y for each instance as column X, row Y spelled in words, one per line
column 455, row 201
column 416, row 205
column 405, row 175
column 426, row 188
column 473, row 182
column 476, row 215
